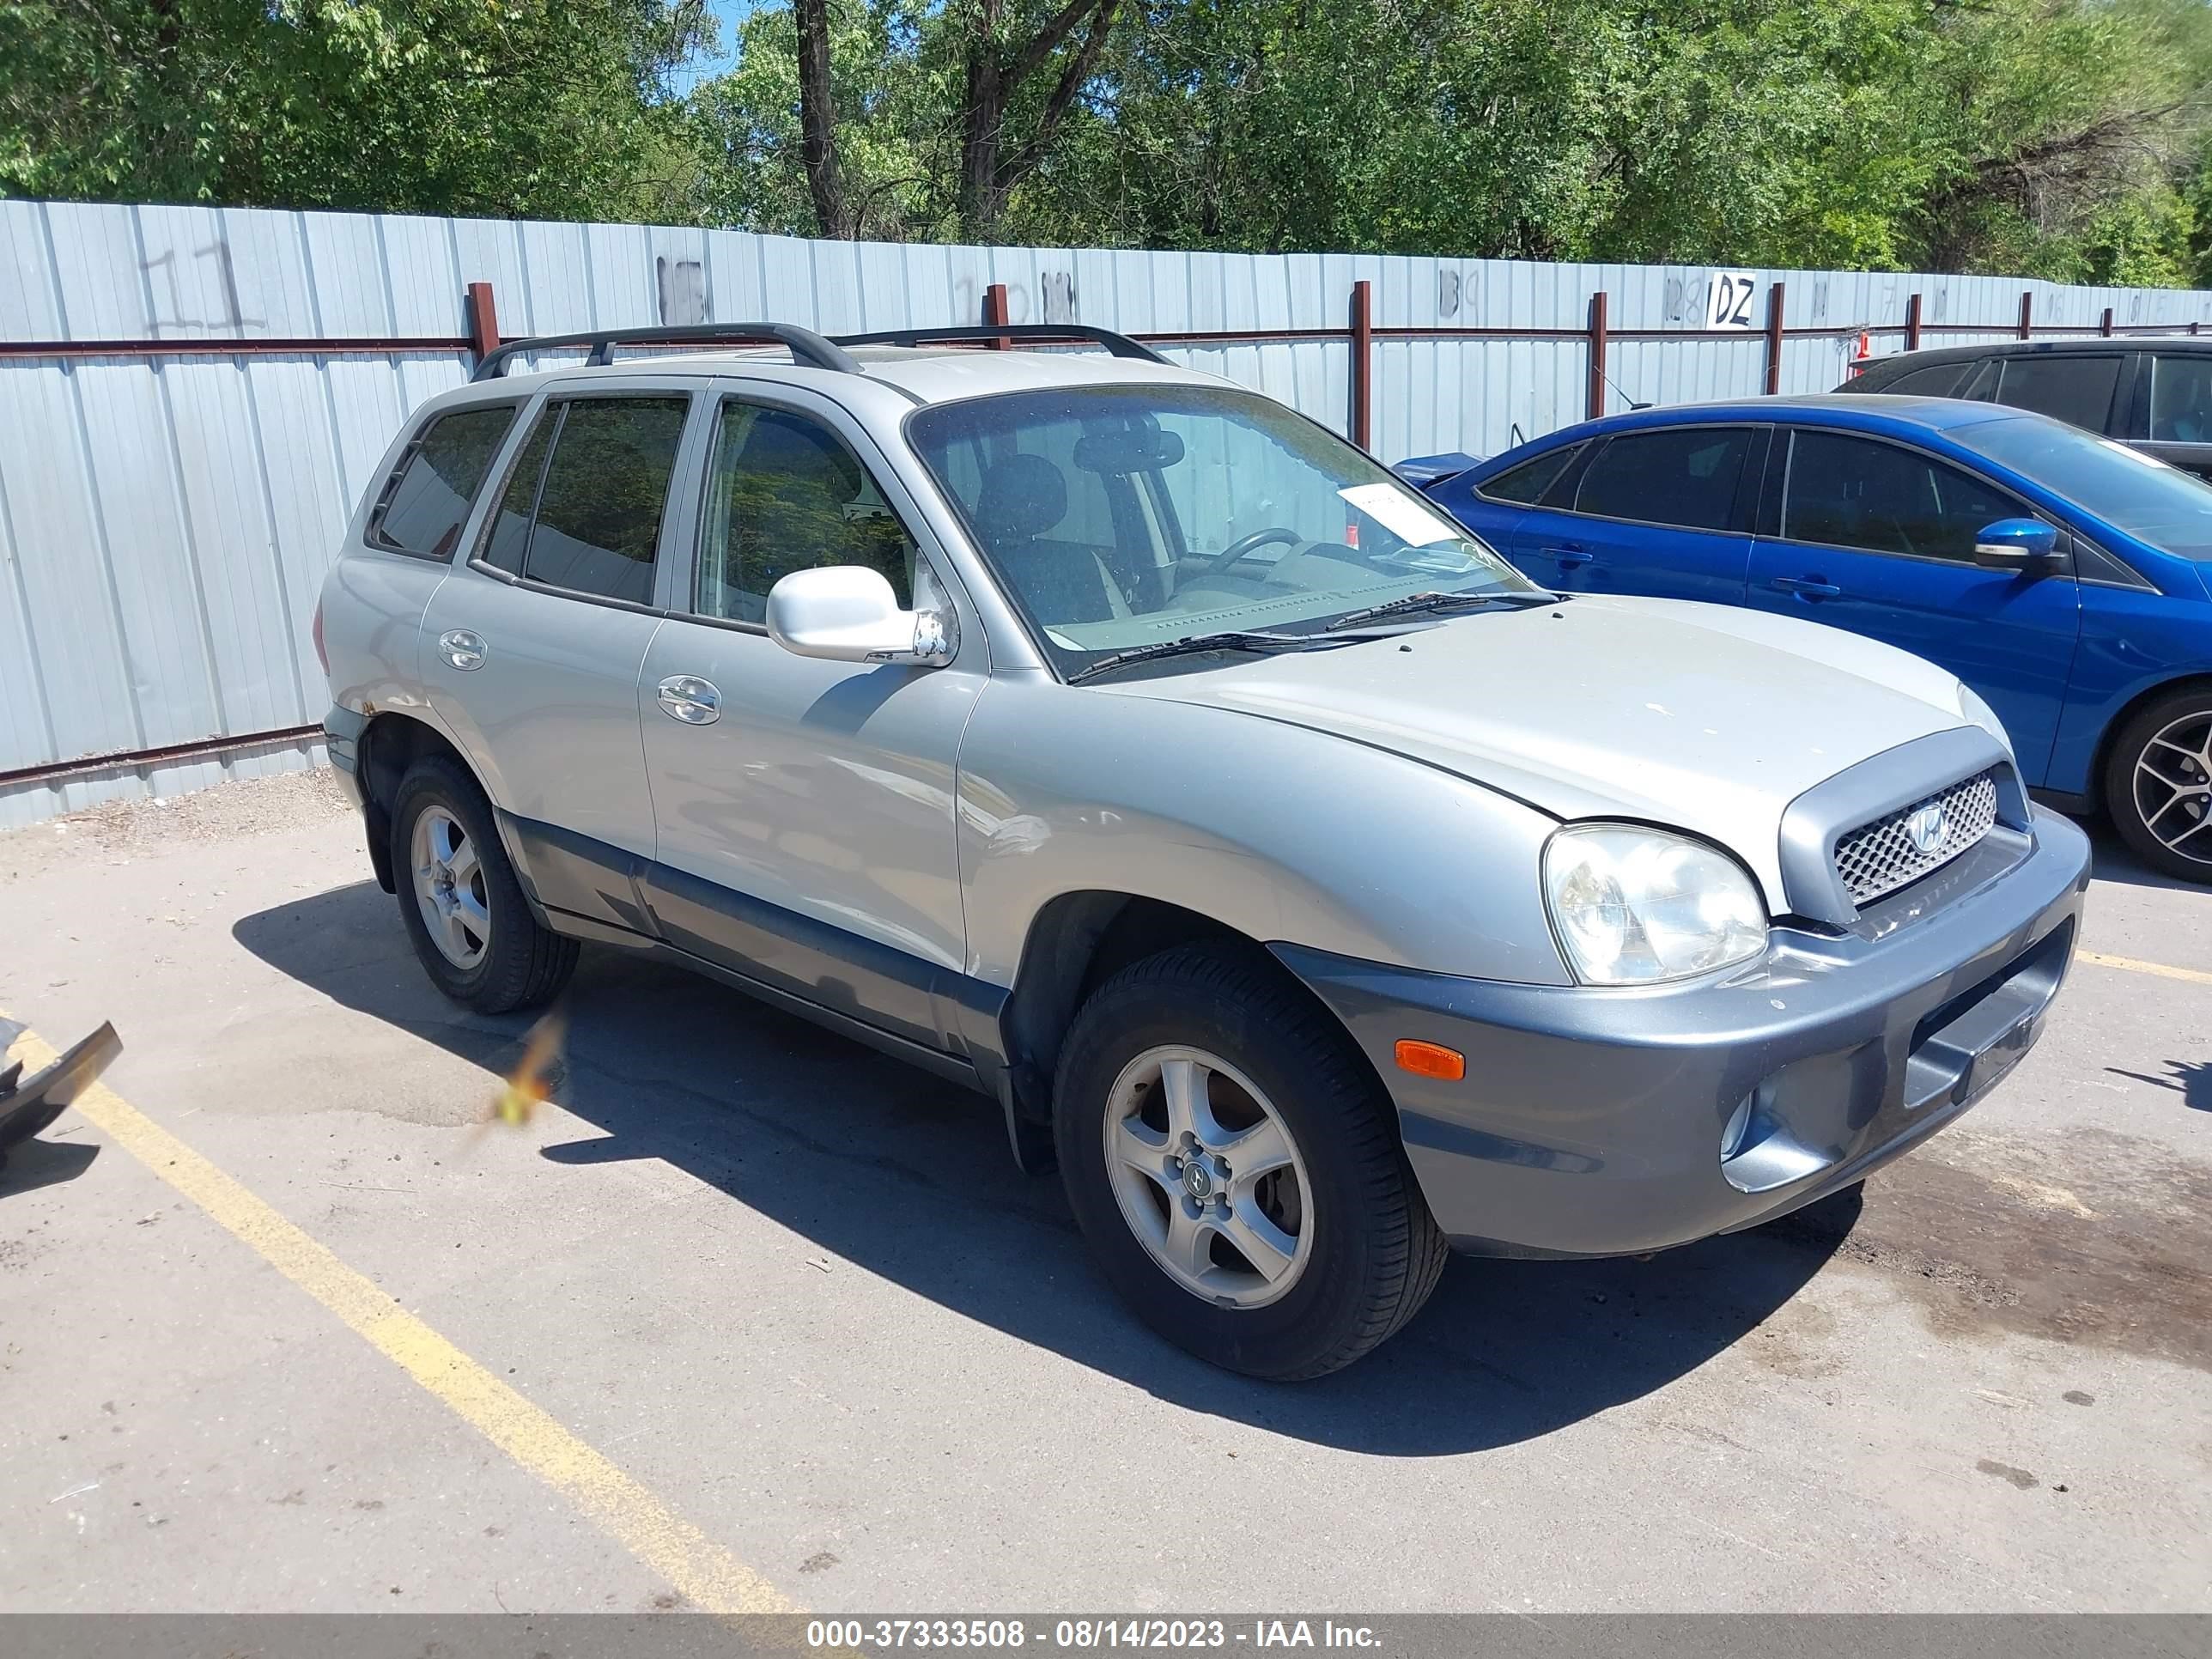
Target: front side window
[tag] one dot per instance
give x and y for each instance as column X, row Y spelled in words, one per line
column 584, row 501
column 1524, row 485
column 1685, row 477
column 2181, row 399
column 2076, row 389
column 2170, row 509
column 432, row 489
column 1116, row 517
column 785, row 492
column 1854, row 492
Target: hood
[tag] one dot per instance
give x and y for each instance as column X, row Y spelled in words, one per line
column 1703, row 717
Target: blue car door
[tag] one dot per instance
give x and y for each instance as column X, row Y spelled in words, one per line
column 1661, row 510
column 1878, row 537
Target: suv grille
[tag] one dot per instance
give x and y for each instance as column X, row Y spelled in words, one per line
column 1882, row 856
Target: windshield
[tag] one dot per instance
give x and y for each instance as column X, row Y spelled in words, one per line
column 1118, row 517
column 2156, row 503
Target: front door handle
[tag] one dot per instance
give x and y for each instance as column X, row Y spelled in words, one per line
column 1807, row 587
column 463, row 650
column 687, row 698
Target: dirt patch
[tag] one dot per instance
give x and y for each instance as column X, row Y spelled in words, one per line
column 240, row 809
column 2093, row 1237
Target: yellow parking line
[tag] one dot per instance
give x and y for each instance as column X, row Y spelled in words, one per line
column 2195, row 977
column 710, row 1576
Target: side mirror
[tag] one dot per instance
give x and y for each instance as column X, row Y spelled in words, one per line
column 2022, row 544
column 848, row 613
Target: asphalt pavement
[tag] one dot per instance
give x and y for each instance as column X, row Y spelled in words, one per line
column 750, row 1316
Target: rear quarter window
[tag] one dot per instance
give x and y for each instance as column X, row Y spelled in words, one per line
column 1937, row 380
column 430, row 492
column 1525, row 484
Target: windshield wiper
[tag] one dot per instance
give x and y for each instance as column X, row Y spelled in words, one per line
column 1417, row 602
column 1265, row 644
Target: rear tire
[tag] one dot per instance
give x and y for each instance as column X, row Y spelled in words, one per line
column 1302, row 1241
column 463, row 910
column 2158, row 785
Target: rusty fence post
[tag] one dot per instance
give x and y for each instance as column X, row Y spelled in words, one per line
column 484, row 320
column 1363, row 362
column 994, row 314
column 2027, row 314
column 1773, row 339
column 1595, row 404
column 2105, row 328
column 1912, row 324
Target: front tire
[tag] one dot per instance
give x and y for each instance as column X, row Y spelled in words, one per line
column 1236, row 1168
column 464, row 910
column 2158, row 785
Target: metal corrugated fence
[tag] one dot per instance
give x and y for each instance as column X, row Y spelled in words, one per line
column 168, row 508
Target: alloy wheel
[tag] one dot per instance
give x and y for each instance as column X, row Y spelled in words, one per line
column 1208, row 1176
column 2173, row 787
column 449, row 888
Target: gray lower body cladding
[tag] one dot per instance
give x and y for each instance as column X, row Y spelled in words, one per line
column 1614, row 1122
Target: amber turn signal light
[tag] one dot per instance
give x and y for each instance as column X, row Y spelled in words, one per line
column 1431, row 1060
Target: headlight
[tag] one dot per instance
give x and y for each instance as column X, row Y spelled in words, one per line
column 1971, row 706
column 1632, row 906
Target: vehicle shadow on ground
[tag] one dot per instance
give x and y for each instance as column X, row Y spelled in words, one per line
column 33, row 1163
column 909, row 1178
column 2113, row 860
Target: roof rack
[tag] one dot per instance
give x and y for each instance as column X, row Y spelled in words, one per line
column 806, row 346
column 1120, row 345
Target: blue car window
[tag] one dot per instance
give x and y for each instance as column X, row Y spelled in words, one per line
column 1525, row 484
column 1854, row 492
column 1680, row 476
column 2161, row 505
column 2181, row 399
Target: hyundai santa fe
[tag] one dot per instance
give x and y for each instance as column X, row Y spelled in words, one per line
column 1318, row 892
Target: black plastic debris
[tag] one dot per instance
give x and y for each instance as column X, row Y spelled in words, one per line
column 28, row 1104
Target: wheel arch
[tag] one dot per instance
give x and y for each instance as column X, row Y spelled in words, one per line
column 389, row 745
column 1079, row 941
column 2118, row 723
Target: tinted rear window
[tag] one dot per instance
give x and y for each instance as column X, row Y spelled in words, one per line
column 606, row 487
column 2181, row 399
column 431, row 491
column 2074, row 389
column 1685, row 477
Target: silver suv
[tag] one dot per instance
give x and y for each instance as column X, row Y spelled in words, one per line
column 944, row 694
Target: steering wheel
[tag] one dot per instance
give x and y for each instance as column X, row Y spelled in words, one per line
column 1244, row 546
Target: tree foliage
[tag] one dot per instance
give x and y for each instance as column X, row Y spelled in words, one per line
column 543, row 107
column 2058, row 137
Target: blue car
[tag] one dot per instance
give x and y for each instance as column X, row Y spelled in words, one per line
column 2066, row 578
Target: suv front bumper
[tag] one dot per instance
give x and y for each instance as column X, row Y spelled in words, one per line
column 1591, row 1120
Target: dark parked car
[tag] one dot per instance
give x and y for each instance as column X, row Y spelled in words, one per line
column 2153, row 393
column 2061, row 575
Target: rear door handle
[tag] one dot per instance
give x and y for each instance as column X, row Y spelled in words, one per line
column 1808, row 587
column 1568, row 556
column 463, row 650
column 687, row 698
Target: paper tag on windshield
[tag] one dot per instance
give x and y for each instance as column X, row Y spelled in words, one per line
column 1400, row 515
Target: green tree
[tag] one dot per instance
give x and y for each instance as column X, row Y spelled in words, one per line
column 513, row 107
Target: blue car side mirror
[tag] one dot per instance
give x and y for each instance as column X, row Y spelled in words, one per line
column 2023, row 544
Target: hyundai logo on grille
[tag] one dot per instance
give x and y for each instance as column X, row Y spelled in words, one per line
column 1926, row 827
